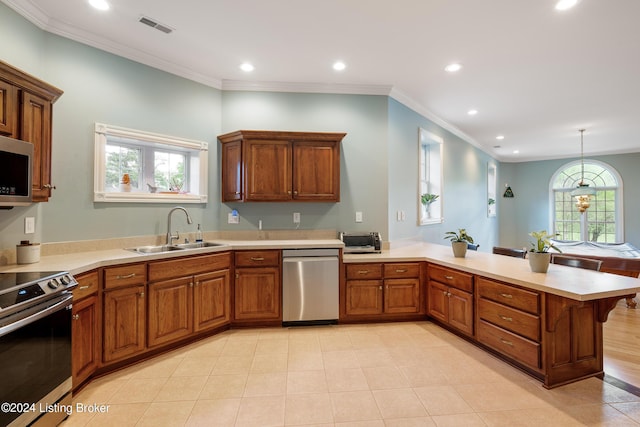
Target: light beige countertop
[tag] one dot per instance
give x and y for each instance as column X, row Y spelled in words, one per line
column 78, row 262
column 570, row 282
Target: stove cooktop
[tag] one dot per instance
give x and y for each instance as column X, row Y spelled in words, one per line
column 20, row 290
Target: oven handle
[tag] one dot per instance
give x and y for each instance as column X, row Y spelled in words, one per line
column 4, row 330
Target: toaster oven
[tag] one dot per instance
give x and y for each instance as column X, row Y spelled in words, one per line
column 361, row 242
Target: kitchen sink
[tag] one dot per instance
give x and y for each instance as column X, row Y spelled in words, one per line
column 156, row 249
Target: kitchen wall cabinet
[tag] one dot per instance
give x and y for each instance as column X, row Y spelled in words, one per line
column 258, row 287
column 376, row 290
column 85, row 330
column 280, row 166
column 124, row 312
column 26, row 114
column 450, row 298
column 187, row 295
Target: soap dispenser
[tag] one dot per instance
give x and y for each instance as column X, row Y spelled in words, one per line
column 198, row 234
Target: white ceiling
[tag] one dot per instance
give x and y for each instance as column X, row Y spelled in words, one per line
column 536, row 75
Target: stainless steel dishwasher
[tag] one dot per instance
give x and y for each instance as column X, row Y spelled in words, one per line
column 310, row 286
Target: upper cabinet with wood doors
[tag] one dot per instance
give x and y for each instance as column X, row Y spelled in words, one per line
column 272, row 166
column 26, row 114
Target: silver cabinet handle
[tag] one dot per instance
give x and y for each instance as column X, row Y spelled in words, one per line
column 508, row 296
column 363, row 271
column 83, row 287
column 503, row 341
column 257, row 258
column 127, row 276
column 403, row 270
column 508, row 319
column 49, row 186
column 448, row 277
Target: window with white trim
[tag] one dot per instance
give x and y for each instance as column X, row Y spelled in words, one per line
column 602, row 221
column 429, row 178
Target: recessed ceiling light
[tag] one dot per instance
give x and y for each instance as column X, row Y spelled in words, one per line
column 566, row 4
column 452, row 68
column 472, row 112
column 99, row 4
column 516, row 151
column 247, row 67
column 339, row 66
column 500, row 137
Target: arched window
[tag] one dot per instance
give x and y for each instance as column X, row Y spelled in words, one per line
column 602, row 221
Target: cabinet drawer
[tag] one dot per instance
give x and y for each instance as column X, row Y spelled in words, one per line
column 509, row 295
column 87, row 285
column 401, row 270
column 520, row 349
column 517, row 321
column 181, row 267
column 257, row 258
column 364, row 271
column 131, row 274
column 449, row 277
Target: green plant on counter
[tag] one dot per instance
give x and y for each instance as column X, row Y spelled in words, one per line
column 460, row 236
column 428, row 198
column 543, row 241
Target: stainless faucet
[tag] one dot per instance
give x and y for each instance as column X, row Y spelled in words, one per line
column 171, row 237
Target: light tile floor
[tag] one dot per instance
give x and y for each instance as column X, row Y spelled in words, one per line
column 399, row 374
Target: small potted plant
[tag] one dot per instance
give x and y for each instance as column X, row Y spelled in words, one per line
column 539, row 256
column 426, row 199
column 459, row 242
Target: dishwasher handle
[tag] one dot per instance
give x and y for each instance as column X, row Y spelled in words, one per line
column 309, row 259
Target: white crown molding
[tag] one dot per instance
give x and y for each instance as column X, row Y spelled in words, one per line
column 351, row 89
column 29, row 11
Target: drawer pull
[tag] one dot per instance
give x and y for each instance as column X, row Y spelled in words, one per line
column 76, row 317
column 80, row 288
column 380, row 287
column 508, row 296
column 127, row 276
column 503, row 341
column 141, row 294
column 363, row 271
column 508, row 319
column 191, row 284
column 448, row 277
column 401, row 270
column 257, row 258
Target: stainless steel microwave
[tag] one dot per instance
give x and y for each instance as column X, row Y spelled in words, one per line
column 15, row 172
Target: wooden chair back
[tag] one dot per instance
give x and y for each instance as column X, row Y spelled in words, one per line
column 589, row 264
column 516, row 253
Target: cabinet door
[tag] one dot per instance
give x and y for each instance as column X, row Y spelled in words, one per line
column 316, row 171
column 267, row 170
column 461, row 310
column 257, row 294
column 401, row 296
column 124, row 323
column 211, row 300
column 8, row 109
column 232, row 171
column 84, row 335
column 170, row 314
column 364, row 297
column 36, row 129
column 438, row 301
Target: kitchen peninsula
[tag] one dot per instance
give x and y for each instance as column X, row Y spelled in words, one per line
column 549, row 325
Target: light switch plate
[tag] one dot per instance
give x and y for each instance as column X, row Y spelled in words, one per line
column 296, row 217
column 358, row 216
column 29, row 225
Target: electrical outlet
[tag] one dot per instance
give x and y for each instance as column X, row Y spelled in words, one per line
column 296, row 217
column 398, row 215
column 358, row 216
column 233, row 219
column 29, row 225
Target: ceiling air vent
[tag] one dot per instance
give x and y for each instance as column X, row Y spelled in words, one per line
column 154, row 24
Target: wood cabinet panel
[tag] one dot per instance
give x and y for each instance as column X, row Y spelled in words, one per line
column 170, row 313
column 267, row 170
column 364, row 297
column 258, row 294
column 232, row 181
column 401, row 296
column 515, row 346
column 517, row 321
column 395, row 270
column 124, row 316
column 316, row 171
column 180, row 267
column 88, row 283
column 8, row 109
column 130, row 274
column 85, row 348
column 36, row 129
column 211, row 300
column 449, row 277
column 438, row 301
column 364, row 271
column 268, row 258
column 461, row 310
column 509, row 295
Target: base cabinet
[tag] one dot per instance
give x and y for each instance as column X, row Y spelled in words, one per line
column 211, row 300
column 258, row 286
column 170, row 313
column 124, row 323
column 382, row 290
column 450, row 298
column 85, row 328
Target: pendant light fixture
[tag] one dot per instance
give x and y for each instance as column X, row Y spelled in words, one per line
column 583, row 192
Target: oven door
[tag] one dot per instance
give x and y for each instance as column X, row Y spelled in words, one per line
column 35, row 360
